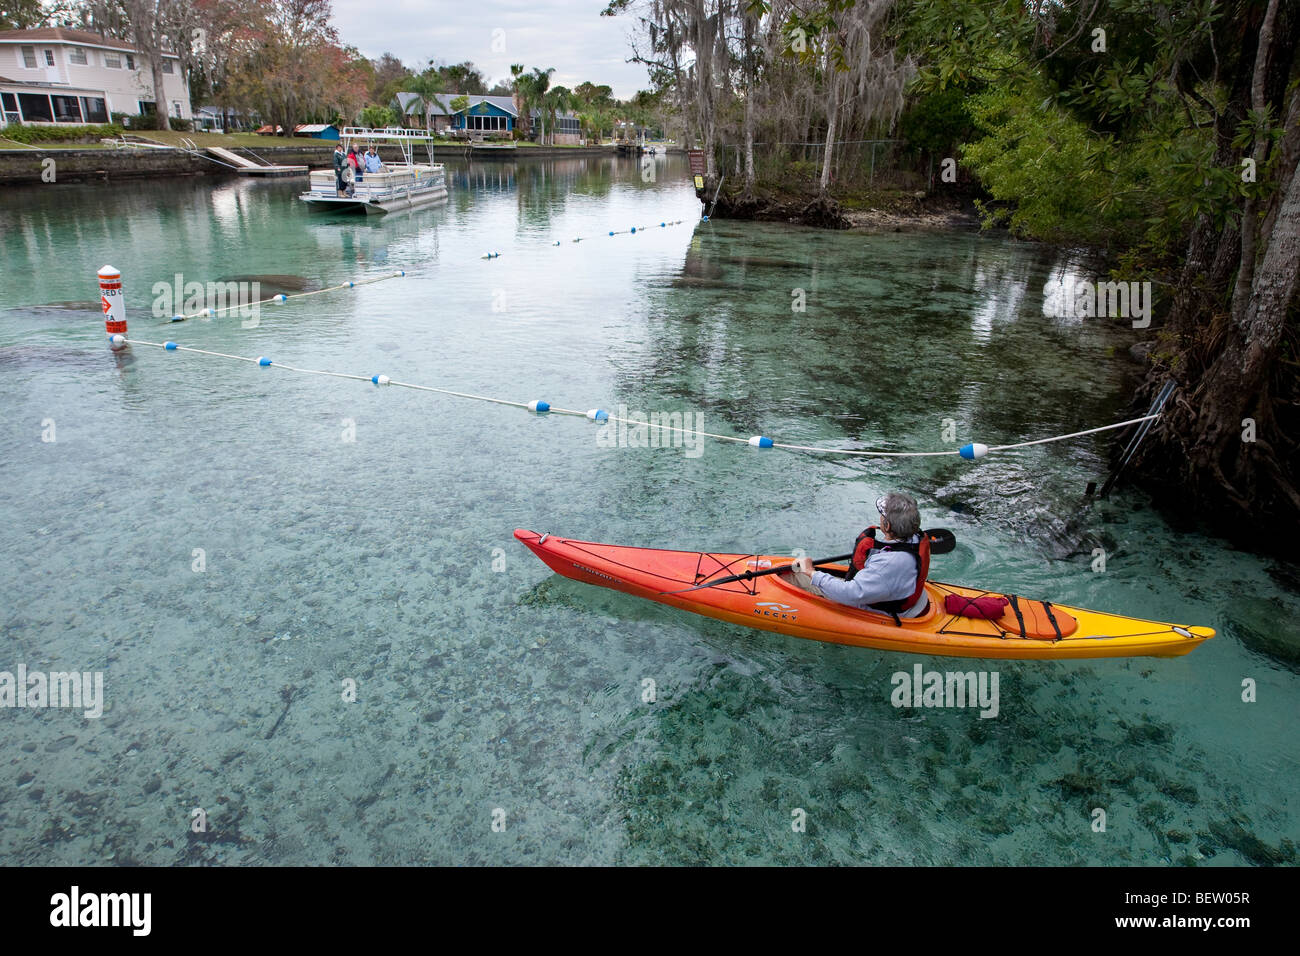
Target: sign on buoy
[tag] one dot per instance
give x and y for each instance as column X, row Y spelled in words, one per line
column 110, row 295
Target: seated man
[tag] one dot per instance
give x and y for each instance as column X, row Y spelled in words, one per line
column 886, row 575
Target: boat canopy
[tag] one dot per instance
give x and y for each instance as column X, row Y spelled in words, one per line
column 404, row 138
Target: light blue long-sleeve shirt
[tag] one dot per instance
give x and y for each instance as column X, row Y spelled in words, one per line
column 888, row 576
column 373, row 163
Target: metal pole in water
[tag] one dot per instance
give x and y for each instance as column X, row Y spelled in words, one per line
column 110, row 295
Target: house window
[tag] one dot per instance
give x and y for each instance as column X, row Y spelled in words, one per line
column 94, row 109
column 9, row 108
column 176, row 108
column 67, row 109
column 113, row 61
column 167, row 66
column 29, row 57
column 49, row 57
column 146, row 107
column 77, row 55
column 130, row 62
column 36, row 107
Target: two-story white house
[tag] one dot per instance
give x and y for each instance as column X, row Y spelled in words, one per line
column 57, row 75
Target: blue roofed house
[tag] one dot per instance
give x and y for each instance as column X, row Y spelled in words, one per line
column 485, row 116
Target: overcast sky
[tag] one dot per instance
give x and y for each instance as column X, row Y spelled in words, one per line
column 569, row 35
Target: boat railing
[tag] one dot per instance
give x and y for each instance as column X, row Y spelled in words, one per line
column 394, row 181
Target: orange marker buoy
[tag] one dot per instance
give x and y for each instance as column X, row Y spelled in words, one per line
column 110, row 294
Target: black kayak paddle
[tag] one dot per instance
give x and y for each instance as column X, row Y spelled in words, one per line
column 942, row 541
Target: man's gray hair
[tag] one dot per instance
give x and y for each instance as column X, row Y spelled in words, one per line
column 902, row 514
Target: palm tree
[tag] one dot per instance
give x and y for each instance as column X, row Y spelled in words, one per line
column 539, row 81
column 426, row 87
column 557, row 100
column 521, row 80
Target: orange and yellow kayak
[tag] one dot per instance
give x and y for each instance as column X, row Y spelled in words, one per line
column 1028, row 629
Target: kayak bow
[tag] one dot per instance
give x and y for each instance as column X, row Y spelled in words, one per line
column 1027, row 630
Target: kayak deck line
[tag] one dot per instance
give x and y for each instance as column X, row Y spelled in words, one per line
column 1038, row 630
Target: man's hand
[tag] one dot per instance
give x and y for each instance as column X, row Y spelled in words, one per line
column 803, row 566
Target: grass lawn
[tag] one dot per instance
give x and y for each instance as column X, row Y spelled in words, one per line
column 173, row 138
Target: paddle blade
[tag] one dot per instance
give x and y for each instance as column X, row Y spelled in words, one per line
column 942, row 541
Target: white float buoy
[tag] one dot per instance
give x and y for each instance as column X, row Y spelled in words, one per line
column 114, row 305
column 974, row 450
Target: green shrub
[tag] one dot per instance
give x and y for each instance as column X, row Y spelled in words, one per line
column 59, row 134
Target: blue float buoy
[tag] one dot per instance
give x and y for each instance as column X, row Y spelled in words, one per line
column 263, row 361
column 761, row 441
column 169, row 346
column 974, row 450
column 539, row 406
column 380, row 379
column 598, row 414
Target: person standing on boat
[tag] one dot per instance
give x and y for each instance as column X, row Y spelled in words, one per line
column 340, row 158
column 357, row 163
column 886, row 575
column 373, row 163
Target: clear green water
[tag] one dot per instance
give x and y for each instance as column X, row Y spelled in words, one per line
column 482, row 687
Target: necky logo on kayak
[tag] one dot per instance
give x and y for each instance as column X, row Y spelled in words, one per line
column 598, row 574
column 782, row 612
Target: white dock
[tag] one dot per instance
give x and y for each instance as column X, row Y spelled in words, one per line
column 249, row 168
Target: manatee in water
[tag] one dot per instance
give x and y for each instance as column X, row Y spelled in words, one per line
column 25, row 356
column 276, row 284
column 764, row 262
column 699, row 282
column 90, row 305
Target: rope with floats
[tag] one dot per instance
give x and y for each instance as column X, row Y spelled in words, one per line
column 632, row 231
column 969, row 451
column 209, row 313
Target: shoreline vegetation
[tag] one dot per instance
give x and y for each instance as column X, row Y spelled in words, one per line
column 1163, row 138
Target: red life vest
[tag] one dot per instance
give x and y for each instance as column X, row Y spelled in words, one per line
column 862, row 548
